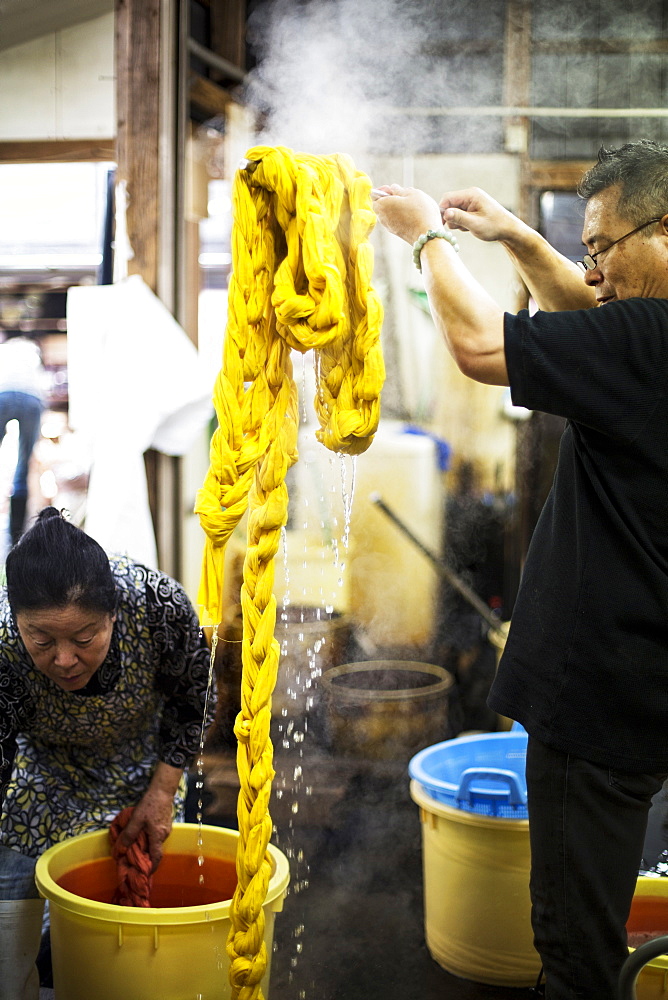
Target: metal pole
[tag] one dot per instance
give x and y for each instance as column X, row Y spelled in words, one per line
column 441, row 567
column 217, row 62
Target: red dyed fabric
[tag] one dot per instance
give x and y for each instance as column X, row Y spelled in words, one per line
column 133, row 865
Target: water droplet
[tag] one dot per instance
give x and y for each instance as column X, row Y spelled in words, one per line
column 200, row 860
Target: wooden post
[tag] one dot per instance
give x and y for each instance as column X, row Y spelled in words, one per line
column 140, row 144
column 138, row 127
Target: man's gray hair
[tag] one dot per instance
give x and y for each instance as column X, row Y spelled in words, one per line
column 641, row 170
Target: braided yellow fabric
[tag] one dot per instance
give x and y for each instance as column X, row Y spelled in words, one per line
column 302, row 268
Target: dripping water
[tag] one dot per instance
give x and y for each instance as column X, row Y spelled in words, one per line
column 347, row 495
column 199, row 783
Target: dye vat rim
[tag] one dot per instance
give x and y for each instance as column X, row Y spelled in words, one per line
column 483, row 781
column 648, row 886
column 186, row 834
column 355, row 695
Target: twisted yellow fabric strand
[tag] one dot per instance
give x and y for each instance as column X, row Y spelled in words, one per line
column 302, row 268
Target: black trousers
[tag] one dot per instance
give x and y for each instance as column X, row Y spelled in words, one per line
column 587, row 829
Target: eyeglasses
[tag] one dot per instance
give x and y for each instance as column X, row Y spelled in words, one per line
column 589, row 261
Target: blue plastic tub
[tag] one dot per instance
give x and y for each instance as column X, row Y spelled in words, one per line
column 480, row 774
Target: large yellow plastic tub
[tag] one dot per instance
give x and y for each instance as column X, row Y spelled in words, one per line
column 649, row 913
column 477, row 907
column 146, row 953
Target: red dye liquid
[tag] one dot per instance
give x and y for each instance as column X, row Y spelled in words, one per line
column 175, row 883
column 648, row 919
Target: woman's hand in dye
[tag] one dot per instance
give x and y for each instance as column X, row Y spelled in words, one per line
column 476, row 212
column 407, row 212
column 154, row 811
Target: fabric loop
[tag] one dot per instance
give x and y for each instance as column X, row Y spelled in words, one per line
column 133, row 864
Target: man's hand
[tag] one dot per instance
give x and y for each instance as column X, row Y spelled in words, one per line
column 476, row 212
column 553, row 280
column 408, row 213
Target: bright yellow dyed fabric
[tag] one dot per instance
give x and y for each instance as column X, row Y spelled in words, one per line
column 302, row 268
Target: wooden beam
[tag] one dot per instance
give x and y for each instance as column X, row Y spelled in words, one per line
column 58, row 151
column 517, row 83
column 228, row 30
column 517, row 54
column 555, row 175
column 208, row 96
column 138, row 127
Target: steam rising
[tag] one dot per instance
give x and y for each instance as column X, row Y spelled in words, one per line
column 327, row 71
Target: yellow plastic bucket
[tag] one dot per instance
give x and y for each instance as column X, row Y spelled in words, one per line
column 477, row 908
column 649, row 912
column 146, row 953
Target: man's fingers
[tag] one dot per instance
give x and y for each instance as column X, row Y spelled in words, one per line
column 455, row 218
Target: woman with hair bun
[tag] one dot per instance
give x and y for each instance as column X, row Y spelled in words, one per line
column 103, row 679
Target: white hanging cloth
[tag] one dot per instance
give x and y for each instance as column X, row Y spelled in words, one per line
column 135, row 382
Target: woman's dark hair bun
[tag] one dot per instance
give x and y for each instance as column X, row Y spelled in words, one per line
column 54, row 564
column 48, row 512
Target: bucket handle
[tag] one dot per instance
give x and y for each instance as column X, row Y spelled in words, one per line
column 510, row 778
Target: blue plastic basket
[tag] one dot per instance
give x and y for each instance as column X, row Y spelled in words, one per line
column 479, row 774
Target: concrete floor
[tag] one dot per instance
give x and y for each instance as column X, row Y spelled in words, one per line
column 352, row 924
column 356, row 929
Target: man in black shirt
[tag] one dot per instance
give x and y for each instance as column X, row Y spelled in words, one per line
column 585, row 668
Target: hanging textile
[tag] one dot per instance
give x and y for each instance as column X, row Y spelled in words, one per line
column 301, row 280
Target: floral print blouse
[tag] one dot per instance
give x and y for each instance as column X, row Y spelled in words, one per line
column 71, row 760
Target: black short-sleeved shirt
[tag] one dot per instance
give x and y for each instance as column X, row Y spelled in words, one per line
column 585, row 667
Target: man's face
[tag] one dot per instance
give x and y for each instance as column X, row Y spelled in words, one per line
column 635, row 267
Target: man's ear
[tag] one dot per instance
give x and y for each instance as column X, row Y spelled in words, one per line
column 664, row 225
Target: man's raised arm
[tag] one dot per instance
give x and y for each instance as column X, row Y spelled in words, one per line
column 553, row 280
